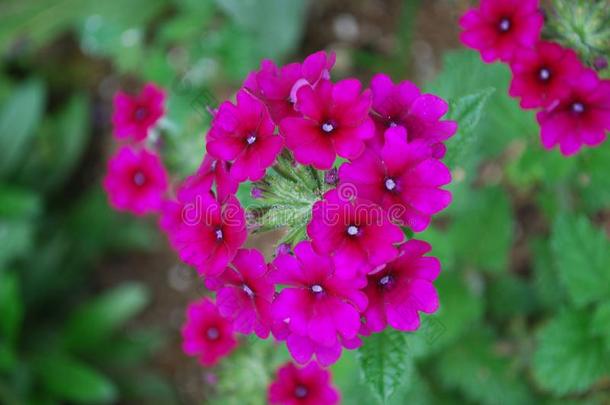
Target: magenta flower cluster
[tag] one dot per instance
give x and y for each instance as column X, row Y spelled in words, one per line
column 355, row 273
column 573, row 102
column 136, row 179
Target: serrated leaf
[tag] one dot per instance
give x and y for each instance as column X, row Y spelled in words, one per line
column 484, row 376
column 569, row 357
column 582, row 255
column 384, row 362
column 74, row 381
column 97, row 320
column 467, row 112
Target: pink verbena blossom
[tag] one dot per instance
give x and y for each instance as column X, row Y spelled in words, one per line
column 402, row 288
column 244, row 293
column 335, row 122
column 582, row 117
column 135, row 115
column 136, row 181
column 541, row 74
column 498, row 28
column 206, row 334
column 277, row 87
column 205, row 233
column 245, row 135
column 403, row 105
column 309, row 385
column 319, row 309
column 213, row 172
column 402, row 178
column 356, row 232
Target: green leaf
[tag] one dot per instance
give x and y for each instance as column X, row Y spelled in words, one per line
column 11, row 306
column 69, row 143
column 467, row 112
column 99, row 319
column 569, row 357
column 283, row 23
column 582, row 255
column 601, row 322
column 19, row 118
column 461, row 307
column 483, row 221
column 74, row 381
column 12, row 310
column 474, row 367
column 384, row 362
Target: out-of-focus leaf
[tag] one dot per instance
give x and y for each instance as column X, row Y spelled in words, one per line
column 70, row 140
column 593, row 182
column 582, row 255
column 601, row 322
column 569, row 357
column 485, row 377
column 16, row 238
column 97, row 320
column 549, row 289
column 461, row 307
column 19, row 117
column 18, row 203
column 74, row 381
column 510, row 296
column 385, row 362
column 12, row 313
column 483, row 224
column 463, row 73
column 467, row 112
column 282, row 27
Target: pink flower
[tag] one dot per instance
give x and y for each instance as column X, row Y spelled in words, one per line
column 136, row 181
column 582, row 117
column 499, row 27
column 356, row 232
column 540, row 74
column 402, row 178
column 403, row 288
column 335, row 121
column 213, row 172
column 244, row 293
column 135, row 115
column 244, row 134
column 277, row 87
column 309, row 385
column 205, row 233
column 319, row 309
column 207, row 334
column 403, row 105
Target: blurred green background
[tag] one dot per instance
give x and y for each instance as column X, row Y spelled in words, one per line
column 91, row 301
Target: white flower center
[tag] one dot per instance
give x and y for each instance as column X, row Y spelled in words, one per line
column 545, row 74
column 139, row 179
column 578, row 107
column 219, row 234
column 352, row 230
column 504, row 25
column 328, row 127
column 251, row 139
column 390, row 184
column 248, row 291
column 213, row 333
column 317, row 288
